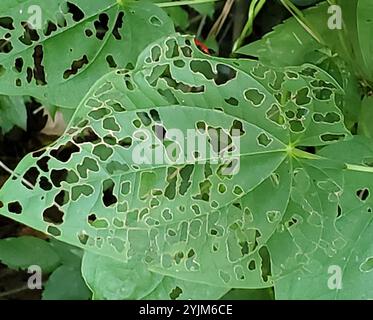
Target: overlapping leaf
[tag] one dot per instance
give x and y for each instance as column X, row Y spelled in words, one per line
column 13, row 113
column 114, row 280
column 78, row 42
column 184, row 219
column 327, row 254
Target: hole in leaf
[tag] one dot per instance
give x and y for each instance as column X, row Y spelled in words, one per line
column 225, row 73
column 99, row 113
column 367, row 265
column 75, row 67
column 6, row 23
column 62, row 198
column 50, row 28
column 45, row 184
column 108, row 197
column 101, row 26
column 110, row 124
column 362, row 194
column 111, row 62
column 39, row 73
column 81, row 190
column 64, row 152
column 264, row 140
column 118, row 25
column 86, row 135
column 175, row 293
column 53, row 215
column 155, row 21
column 76, row 12
column 5, row 46
column 251, row 265
column 102, row 151
column 254, row 96
column 232, row 101
column 328, row 137
column 31, row 175
column 15, row 207
column 330, row 117
column 53, row 231
column 302, row 97
column 30, row 35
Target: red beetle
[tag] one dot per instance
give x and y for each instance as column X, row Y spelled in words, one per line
column 202, row 46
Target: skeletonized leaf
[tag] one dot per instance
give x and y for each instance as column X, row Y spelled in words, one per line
column 327, row 253
column 77, row 42
column 114, row 280
column 188, row 219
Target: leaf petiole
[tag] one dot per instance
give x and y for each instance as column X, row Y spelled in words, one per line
column 306, row 155
column 359, row 168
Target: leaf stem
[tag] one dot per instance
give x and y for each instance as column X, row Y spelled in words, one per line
column 298, row 14
column 359, row 168
column 303, row 154
column 306, row 155
column 254, row 9
column 11, row 172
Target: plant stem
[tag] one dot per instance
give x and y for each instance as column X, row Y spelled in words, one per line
column 304, row 154
column 11, row 172
column 351, row 167
column 359, row 168
column 254, row 9
column 298, row 14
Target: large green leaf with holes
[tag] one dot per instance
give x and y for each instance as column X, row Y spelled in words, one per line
column 335, row 51
column 312, row 247
column 126, row 182
column 79, row 41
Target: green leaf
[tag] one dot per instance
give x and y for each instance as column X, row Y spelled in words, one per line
column 114, row 280
column 364, row 28
column 179, row 17
column 317, row 244
column 190, row 219
column 79, row 42
column 66, row 283
column 23, row 252
column 70, row 256
column 13, row 113
column 366, row 117
column 289, row 43
column 205, row 9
